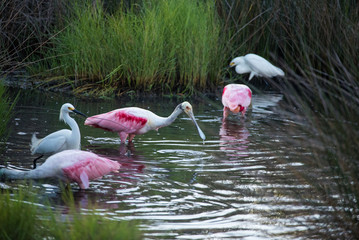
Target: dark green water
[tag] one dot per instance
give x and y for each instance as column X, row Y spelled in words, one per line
column 244, row 182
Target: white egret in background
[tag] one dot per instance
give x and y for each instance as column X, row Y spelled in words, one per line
column 256, row 66
column 131, row 121
column 67, row 166
column 61, row 140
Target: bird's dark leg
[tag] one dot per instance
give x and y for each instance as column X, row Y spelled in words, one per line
column 36, row 160
column 225, row 113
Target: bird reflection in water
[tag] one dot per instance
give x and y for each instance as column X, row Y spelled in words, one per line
column 234, row 139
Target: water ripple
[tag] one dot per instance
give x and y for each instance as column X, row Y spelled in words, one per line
column 242, row 182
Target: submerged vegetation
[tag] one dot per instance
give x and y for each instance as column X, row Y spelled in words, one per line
column 184, row 46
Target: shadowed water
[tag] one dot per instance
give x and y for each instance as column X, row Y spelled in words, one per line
column 244, row 182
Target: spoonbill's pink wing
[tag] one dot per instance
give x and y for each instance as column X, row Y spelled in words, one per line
column 84, row 170
column 235, row 95
column 120, row 120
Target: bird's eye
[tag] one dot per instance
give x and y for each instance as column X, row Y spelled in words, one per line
column 70, row 108
column 188, row 108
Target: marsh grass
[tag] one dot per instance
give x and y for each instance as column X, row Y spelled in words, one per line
column 6, row 107
column 327, row 109
column 316, row 44
column 25, row 25
column 18, row 217
column 22, row 218
column 322, row 95
column 299, row 34
column 162, row 45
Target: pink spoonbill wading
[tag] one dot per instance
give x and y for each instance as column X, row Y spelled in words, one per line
column 61, row 140
column 236, row 98
column 67, row 166
column 132, row 121
column 256, row 66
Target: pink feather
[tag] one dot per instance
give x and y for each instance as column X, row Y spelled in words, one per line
column 88, row 168
column 119, row 120
column 236, row 97
column 69, row 166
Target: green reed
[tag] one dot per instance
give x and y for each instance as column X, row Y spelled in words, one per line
column 327, row 108
column 316, row 44
column 163, row 45
column 22, row 218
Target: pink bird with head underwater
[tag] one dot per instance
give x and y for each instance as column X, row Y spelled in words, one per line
column 132, row 121
column 236, row 98
column 68, row 166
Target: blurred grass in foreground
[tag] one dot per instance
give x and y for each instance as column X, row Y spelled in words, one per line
column 22, row 218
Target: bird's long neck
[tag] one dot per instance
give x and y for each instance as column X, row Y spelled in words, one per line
column 163, row 122
column 17, row 174
column 73, row 125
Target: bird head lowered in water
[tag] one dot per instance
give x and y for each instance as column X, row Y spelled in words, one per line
column 186, row 107
column 66, row 109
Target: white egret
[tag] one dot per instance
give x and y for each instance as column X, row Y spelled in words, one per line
column 58, row 141
column 256, row 66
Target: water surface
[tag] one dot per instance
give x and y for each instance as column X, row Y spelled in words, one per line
column 244, row 182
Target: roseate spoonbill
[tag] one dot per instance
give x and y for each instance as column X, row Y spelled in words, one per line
column 132, row 121
column 256, row 66
column 236, row 98
column 60, row 140
column 68, row 166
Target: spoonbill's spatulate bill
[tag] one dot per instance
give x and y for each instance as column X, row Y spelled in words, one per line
column 256, row 66
column 60, row 140
column 236, row 98
column 68, row 166
column 131, row 121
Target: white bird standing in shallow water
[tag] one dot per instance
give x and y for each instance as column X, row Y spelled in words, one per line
column 68, row 166
column 256, row 66
column 60, row 140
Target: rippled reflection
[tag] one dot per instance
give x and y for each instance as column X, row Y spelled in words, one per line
column 234, row 139
column 242, row 182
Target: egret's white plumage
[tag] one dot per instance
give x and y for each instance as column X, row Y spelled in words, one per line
column 256, row 66
column 60, row 140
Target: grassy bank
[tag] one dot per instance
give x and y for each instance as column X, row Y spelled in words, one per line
column 161, row 46
column 108, row 47
column 21, row 218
